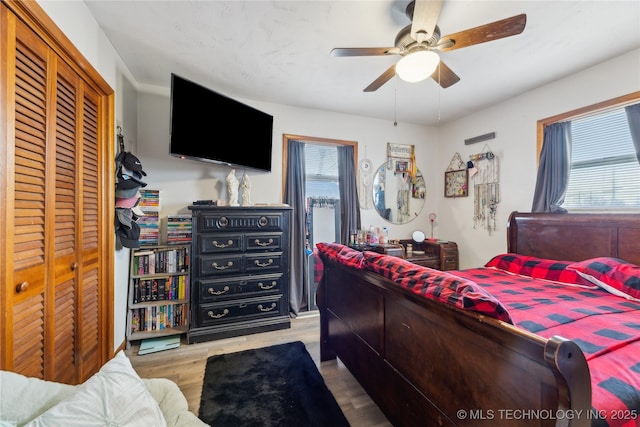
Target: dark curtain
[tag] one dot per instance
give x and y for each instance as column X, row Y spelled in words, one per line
column 349, row 202
column 553, row 169
column 294, row 197
column 633, row 117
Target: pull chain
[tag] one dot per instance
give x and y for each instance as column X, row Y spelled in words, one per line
column 395, row 107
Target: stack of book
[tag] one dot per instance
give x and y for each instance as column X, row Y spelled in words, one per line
column 149, row 224
column 178, row 229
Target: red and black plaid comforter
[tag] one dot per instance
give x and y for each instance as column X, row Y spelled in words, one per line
column 606, row 327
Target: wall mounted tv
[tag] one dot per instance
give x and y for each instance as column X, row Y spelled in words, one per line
column 211, row 127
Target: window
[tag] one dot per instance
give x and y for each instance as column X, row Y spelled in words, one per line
column 321, row 163
column 604, row 167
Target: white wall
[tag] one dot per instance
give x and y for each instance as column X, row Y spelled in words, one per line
column 183, row 181
column 514, row 122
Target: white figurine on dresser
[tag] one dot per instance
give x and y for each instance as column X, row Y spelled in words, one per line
column 232, row 188
column 246, row 190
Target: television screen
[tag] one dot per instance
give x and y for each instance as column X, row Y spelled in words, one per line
column 211, row 127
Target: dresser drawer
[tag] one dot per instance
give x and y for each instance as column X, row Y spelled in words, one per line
column 263, row 263
column 236, row 310
column 450, row 263
column 427, row 262
column 238, row 287
column 263, row 241
column 241, row 221
column 216, row 265
column 220, row 243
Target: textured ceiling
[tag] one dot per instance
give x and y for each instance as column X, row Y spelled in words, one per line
column 279, row 51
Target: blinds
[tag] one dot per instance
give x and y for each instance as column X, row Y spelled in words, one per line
column 605, row 173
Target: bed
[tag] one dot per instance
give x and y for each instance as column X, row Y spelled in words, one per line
column 535, row 337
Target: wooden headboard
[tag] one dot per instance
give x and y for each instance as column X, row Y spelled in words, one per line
column 573, row 236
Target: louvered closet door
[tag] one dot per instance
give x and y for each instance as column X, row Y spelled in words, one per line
column 55, row 314
column 76, row 325
column 64, row 176
column 90, row 297
column 26, row 227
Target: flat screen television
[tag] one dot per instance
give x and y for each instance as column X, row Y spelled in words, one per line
column 212, row 127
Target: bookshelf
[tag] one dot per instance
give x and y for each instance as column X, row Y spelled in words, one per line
column 158, row 295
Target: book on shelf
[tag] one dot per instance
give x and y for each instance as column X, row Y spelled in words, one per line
column 168, row 288
column 158, row 261
column 158, row 317
column 149, row 203
column 178, row 229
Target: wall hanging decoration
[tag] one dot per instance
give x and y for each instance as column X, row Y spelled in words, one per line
column 364, row 189
column 401, row 159
column 486, row 189
column 456, row 178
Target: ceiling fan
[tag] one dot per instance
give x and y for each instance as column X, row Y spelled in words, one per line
column 420, row 40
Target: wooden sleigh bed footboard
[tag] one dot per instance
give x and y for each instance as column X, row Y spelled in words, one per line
column 426, row 363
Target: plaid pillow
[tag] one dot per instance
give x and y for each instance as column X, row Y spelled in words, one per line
column 611, row 274
column 437, row 285
column 539, row 268
column 341, row 254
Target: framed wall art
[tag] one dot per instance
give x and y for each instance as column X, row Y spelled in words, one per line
column 402, row 167
column 456, row 183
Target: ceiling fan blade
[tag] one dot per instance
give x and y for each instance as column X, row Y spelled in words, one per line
column 384, row 77
column 364, row 51
column 424, row 20
column 444, row 76
column 484, row 33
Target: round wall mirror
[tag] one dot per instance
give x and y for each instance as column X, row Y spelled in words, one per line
column 396, row 197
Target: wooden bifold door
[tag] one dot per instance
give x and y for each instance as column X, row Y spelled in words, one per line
column 55, row 235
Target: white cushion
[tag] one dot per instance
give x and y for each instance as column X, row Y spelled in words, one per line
column 114, row 396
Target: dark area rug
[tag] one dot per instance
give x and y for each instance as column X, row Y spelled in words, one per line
column 272, row 386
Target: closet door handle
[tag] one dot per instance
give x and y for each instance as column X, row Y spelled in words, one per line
column 21, row 287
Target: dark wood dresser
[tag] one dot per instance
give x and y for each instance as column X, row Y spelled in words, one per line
column 239, row 272
column 441, row 255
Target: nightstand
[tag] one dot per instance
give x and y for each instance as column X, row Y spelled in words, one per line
column 441, row 255
column 384, row 248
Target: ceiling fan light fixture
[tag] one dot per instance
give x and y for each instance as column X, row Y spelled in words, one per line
column 417, row 66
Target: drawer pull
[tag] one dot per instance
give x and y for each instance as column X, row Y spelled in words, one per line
column 218, row 316
column 264, row 264
column 222, row 245
column 261, row 308
column 267, row 287
column 263, row 244
column 222, row 267
column 223, row 291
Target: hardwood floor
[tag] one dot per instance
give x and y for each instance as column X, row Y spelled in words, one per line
column 185, row 366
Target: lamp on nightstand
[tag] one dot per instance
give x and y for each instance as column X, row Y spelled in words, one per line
column 432, row 218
